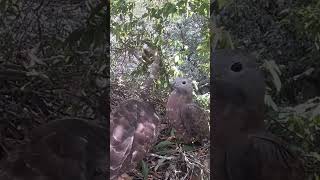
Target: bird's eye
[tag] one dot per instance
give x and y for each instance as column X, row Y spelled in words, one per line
column 183, row 82
column 236, row 67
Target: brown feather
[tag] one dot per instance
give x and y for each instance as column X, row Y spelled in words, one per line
column 134, row 128
column 187, row 118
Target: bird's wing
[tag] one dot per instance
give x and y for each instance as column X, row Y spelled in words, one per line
column 173, row 112
column 133, row 129
column 264, row 157
column 195, row 121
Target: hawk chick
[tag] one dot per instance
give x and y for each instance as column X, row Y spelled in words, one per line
column 243, row 149
column 188, row 119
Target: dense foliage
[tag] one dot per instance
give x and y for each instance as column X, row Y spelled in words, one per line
column 177, row 29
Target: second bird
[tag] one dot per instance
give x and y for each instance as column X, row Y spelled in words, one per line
column 189, row 120
column 243, row 149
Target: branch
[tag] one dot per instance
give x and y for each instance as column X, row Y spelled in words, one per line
column 154, row 69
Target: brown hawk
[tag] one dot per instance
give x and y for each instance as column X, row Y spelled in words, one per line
column 188, row 119
column 134, row 127
column 243, row 150
column 69, row 149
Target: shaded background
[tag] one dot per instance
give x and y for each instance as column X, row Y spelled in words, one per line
column 53, row 64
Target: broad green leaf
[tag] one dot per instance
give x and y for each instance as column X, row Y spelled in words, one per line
column 164, row 144
column 316, row 155
column 144, row 169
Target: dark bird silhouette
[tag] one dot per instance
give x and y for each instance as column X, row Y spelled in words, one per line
column 134, row 129
column 69, row 149
column 243, row 150
column 188, row 119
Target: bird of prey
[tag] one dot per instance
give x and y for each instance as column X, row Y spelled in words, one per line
column 134, row 127
column 188, row 119
column 68, row 149
column 243, row 149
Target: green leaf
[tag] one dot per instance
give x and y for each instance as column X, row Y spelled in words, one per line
column 188, row 148
column 144, row 169
column 164, row 144
column 269, row 102
column 275, row 72
column 176, row 58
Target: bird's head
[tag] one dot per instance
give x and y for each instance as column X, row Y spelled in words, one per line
column 182, row 85
column 237, row 79
column 238, row 94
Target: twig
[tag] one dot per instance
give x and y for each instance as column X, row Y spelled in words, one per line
column 163, row 157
